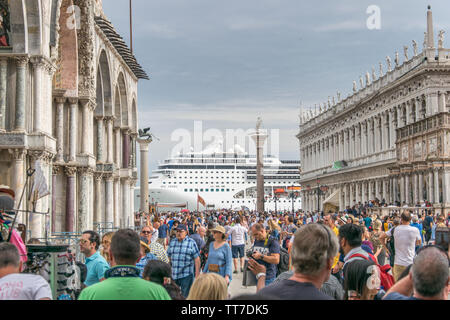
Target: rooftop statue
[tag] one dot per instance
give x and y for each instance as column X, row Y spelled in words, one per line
column 415, row 47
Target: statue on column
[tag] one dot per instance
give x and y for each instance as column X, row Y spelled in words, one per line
column 396, row 60
column 441, row 39
column 405, row 51
column 374, row 76
column 354, row 86
column 415, row 47
column 381, row 69
column 5, row 26
column 361, row 82
column 367, row 79
column 144, row 133
column 389, row 63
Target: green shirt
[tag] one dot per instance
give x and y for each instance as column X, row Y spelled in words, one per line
column 124, row 288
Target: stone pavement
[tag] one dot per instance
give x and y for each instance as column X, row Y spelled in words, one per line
column 236, row 288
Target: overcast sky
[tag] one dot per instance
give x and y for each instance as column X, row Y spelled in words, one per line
column 227, row 62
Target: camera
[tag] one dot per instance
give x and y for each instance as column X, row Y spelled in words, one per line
column 249, row 253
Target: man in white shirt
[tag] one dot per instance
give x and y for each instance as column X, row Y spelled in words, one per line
column 406, row 238
column 19, row 286
column 238, row 243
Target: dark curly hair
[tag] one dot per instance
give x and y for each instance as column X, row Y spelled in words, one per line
column 155, row 271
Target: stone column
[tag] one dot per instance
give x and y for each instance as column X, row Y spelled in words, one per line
column 87, row 134
column 392, row 128
column 336, row 147
column 100, row 143
column 125, row 204
column 371, row 190
column 83, row 209
column 348, row 195
column 73, row 129
column 109, row 198
column 56, row 170
column 126, row 149
column 432, row 104
column 71, row 173
column 352, row 143
column 420, row 174
column 357, row 192
column 132, row 186
column 143, row 144
column 402, row 188
column 418, row 106
column 436, row 186
column 116, row 202
column 378, row 189
column 21, row 68
column 364, row 192
column 430, row 186
column 386, row 189
column 376, row 129
column 60, row 129
column 133, row 152
column 345, row 149
column 98, row 216
column 109, row 130
column 3, row 92
column 446, row 186
column 341, row 198
column 386, row 138
column 18, row 176
column 415, row 186
column 37, row 93
column 119, row 150
column 365, row 142
column 407, row 190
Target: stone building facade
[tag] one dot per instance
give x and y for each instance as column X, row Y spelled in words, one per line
column 388, row 140
column 68, row 101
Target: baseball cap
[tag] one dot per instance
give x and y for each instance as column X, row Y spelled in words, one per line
column 182, row 227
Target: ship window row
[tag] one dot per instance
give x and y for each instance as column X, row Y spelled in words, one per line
column 207, row 190
column 251, row 201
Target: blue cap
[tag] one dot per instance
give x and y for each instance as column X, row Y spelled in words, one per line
column 182, row 227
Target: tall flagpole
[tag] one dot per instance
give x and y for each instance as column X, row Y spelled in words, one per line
column 131, row 27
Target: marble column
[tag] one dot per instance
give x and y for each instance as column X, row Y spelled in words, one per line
column 348, row 196
column 133, row 152
column 116, row 203
column 83, row 209
column 73, row 129
column 37, row 93
column 86, row 126
column 417, row 106
column 345, row 148
column 395, row 188
column 119, row 151
column 56, row 170
column 378, row 189
column 71, row 173
column 132, row 186
column 420, row 174
column 143, row 144
column 109, row 130
column 341, row 198
column 377, row 137
column 125, row 204
column 336, row 147
column 436, row 186
column 392, row 129
column 100, row 140
column 407, row 190
column 415, row 186
column 365, row 136
column 370, row 134
column 446, row 186
column 402, row 188
column 386, row 189
column 21, row 67
column 430, row 187
column 364, row 192
column 357, row 192
column 3, row 92
column 126, row 149
column 18, row 177
column 386, row 142
column 60, row 129
column 98, row 215
column 109, row 198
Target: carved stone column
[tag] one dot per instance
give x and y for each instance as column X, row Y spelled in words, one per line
column 357, row 192
column 415, row 186
column 126, row 149
column 84, row 196
column 100, row 143
column 421, row 185
column 119, row 148
column 393, row 127
column 144, row 206
column 125, row 203
column 73, row 129
column 386, row 189
column 38, row 65
column 407, row 189
column 109, row 130
column 87, row 133
column 402, row 189
column 109, row 205
column 117, row 202
column 386, row 136
column 98, row 216
column 21, row 68
column 446, row 186
column 430, row 186
column 56, row 171
column 60, row 129
column 18, row 178
column 3, row 92
column 436, row 186
column 364, row 142
column 364, row 192
column 71, row 173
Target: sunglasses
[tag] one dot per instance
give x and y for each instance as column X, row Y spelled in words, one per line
column 83, row 241
column 146, row 232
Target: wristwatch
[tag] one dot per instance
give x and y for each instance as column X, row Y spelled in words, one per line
column 259, row 275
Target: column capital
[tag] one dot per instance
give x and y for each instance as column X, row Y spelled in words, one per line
column 41, row 155
column 73, row 101
column 86, row 171
column 56, row 170
column 17, row 154
column 60, row 100
column 109, row 119
column 22, row 61
column 108, row 177
column 4, row 61
column 98, row 176
column 70, row 171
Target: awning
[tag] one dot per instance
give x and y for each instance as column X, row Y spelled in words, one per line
column 333, row 199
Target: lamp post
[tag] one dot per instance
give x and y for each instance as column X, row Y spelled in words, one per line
column 293, row 196
column 320, row 189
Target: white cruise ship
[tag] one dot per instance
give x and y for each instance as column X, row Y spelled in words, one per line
column 224, row 181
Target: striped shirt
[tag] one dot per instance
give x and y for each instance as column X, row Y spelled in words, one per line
column 159, row 252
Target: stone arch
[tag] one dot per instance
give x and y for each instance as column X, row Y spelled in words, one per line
column 121, row 85
column 66, row 76
column 34, row 24
column 99, row 109
column 117, row 108
column 104, row 68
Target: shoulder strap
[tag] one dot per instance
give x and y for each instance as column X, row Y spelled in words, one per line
column 359, row 255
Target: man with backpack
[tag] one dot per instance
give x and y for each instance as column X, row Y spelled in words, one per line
column 266, row 251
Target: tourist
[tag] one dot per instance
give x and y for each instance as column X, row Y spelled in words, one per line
column 266, row 251
column 429, row 278
column 427, row 225
column 95, row 263
column 122, row 280
column 106, row 242
column 161, row 273
column 406, row 238
column 379, row 245
column 313, row 251
column 199, row 237
column 362, row 280
column 19, row 286
column 145, row 257
column 219, row 257
column 238, row 233
column 209, row 286
column 163, row 234
column 185, row 260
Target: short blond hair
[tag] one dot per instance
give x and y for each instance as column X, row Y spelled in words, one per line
column 209, row 286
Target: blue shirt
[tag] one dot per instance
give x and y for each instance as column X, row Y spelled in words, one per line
column 418, row 226
column 96, row 266
column 220, row 256
column 182, row 255
column 198, row 240
column 143, row 262
column 267, row 248
column 162, row 231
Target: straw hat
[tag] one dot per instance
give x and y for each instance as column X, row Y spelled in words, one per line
column 145, row 246
column 219, row 228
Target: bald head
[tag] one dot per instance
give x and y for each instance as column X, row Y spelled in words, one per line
column 430, row 272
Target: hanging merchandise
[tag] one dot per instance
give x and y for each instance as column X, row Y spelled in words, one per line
column 57, row 265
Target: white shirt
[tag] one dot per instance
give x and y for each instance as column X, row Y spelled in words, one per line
column 237, row 235
column 155, row 234
column 405, row 238
column 23, row 286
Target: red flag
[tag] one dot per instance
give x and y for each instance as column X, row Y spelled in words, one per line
column 200, row 199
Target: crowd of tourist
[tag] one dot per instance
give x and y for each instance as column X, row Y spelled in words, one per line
column 349, row 255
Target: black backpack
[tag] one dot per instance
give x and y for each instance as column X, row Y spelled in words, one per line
column 283, row 265
column 390, row 243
